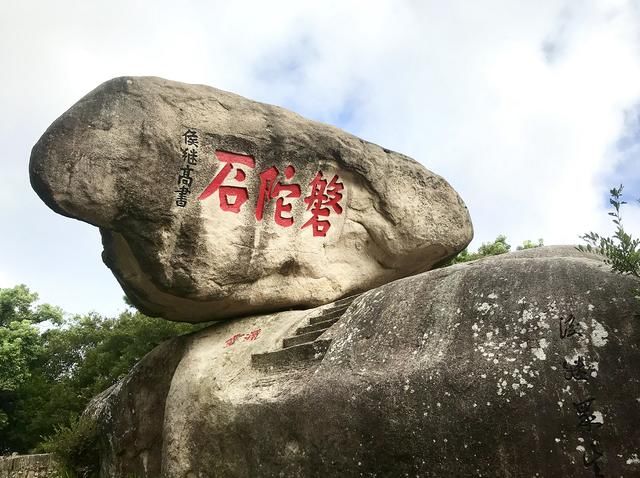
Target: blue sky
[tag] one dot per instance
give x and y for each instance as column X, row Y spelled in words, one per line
column 627, row 169
column 529, row 109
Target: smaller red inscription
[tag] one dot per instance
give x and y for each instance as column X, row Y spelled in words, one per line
column 250, row 337
column 232, row 340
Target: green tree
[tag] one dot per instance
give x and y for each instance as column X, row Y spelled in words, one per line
column 92, row 352
column 18, row 304
column 530, row 245
column 20, row 343
column 55, row 371
column 497, row 247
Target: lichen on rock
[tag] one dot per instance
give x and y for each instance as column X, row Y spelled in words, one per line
column 438, row 374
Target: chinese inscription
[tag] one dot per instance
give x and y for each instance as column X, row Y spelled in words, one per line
column 250, row 337
column 271, row 189
column 576, row 370
column 189, row 160
column 585, row 414
column 568, row 327
column 231, row 197
column 324, row 196
column 322, row 199
column 587, row 420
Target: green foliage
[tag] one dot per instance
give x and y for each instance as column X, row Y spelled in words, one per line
column 497, row 247
column 20, row 342
column 48, row 375
column 75, row 448
column 63, row 472
column 530, row 245
column 19, row 338
column 18, row 304
column 621, row 251
column 93, row 352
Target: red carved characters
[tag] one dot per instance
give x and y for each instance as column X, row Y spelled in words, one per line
column 269, row 189
column 323, row 197
column 250, row 337
column 225, row 192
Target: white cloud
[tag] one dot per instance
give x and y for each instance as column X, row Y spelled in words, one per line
column 4, row 280
column 518, row 104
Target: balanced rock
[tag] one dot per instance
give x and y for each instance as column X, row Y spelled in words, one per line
column 520, row 365
column 212, row 206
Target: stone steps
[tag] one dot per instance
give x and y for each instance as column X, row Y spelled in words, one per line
column 305, row 345
column 306, row 352
column 325, row 324
column 302, row 338
column 328, row 314
column 346, row 300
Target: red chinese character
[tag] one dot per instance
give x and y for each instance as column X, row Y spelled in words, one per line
column 232, row 340
column 270, row 189
column 323, row 196
column 252, row 335
column 239, row 194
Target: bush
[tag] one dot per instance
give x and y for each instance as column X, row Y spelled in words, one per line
column 495, row 248
column 621, row 251
column 75, row 448
column 48, row 375
column 530, row 245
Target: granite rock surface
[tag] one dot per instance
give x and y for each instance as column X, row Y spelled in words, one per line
column 518, row 365
column 212, row 206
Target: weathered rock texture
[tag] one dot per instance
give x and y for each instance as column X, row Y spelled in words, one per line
column 27, row 466
column 521, row 365
column 197, row 224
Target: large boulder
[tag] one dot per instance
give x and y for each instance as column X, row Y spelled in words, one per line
column 212, row 206
column 522, row 365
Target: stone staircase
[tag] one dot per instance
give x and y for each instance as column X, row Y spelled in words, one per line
column 305, row 345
